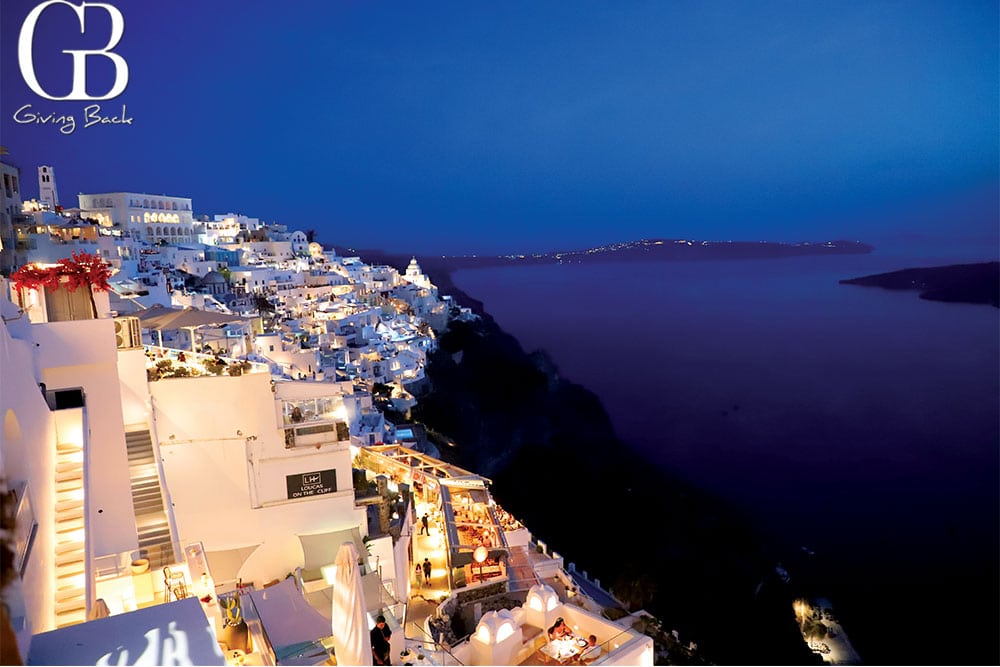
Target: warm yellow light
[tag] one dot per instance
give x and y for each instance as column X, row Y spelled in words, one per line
column 483, row 634
column 505, row 630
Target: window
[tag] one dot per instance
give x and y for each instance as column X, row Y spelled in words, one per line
column 309, row 409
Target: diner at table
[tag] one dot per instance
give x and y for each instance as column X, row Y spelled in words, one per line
column 563, row 645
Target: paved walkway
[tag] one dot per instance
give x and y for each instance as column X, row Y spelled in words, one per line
column 425, row 597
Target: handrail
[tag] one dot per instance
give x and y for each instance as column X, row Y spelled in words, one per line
column 256, row 628
column 438, row 646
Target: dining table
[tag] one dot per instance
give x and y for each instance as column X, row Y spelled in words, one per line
column 565, row 648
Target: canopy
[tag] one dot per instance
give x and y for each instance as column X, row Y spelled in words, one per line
column 321, row 549
column 352, row 643
column 176, row 633
column 225, row 564
column 287, row 618
column 159, row 317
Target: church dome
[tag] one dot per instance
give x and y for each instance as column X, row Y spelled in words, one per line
column 213, row 278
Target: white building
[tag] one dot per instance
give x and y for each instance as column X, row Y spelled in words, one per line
column 147, row 217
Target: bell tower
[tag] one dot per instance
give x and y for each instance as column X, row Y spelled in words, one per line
column 47, row 186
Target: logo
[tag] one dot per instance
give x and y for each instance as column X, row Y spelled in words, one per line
column 79, row 90
column 313, row 478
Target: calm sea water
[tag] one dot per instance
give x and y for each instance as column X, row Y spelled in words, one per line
column 858, row 422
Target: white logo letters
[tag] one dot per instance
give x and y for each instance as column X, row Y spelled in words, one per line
column 79, row 91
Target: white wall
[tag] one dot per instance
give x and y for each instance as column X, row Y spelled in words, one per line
column 225, row 469
column 82, row 353
column 27, row 453
column 134, row 388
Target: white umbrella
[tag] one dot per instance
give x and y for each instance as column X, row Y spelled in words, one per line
column 351, row 639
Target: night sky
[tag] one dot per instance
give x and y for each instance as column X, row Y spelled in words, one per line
column 475, row 127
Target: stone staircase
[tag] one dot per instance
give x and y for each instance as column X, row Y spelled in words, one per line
column 147, row 500
column 70, row 524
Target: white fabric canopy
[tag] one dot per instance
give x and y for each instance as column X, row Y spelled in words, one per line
column 351, row 640
column 287, row 617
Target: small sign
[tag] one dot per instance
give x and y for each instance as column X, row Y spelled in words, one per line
column 308, row 484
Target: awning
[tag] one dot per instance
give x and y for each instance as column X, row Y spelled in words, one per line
column 288, row 620
column 225, row 564
column 177, row 633
column 321, row 549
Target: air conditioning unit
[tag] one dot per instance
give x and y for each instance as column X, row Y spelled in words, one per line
column 127, row 333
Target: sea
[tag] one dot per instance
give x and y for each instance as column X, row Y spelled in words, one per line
column 858, row 428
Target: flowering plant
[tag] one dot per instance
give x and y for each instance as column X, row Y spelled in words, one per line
column 83, row 269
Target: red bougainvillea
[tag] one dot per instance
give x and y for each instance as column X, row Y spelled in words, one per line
column 83, row 269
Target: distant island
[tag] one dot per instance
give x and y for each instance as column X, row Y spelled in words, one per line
column 660, row 249
column 957, row 283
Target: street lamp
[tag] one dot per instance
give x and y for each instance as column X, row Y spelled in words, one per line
column 480, row 555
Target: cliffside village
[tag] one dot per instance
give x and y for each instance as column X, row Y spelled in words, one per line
column 197, row 459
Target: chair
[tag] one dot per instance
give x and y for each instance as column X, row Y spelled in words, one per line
column 173, row 584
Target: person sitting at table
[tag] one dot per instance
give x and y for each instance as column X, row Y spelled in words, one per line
column 591, row 651
column 559, row 629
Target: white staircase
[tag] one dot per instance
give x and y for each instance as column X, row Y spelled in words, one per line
column 147, row 500
column 71, row 556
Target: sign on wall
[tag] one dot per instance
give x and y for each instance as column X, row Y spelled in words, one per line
column 307, row 484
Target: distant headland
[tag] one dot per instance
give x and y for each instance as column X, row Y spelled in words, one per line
column 957, row 283
column 664, row 249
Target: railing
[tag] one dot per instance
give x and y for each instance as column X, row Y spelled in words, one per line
column 417, row 640
column 610, row 645
column 169, row 362
column 261, row 642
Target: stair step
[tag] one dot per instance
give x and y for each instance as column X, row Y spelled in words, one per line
column 67, row 548
column 67, row 447
column 69, row 505
column 70, row 476
column 75, row 579
column 148, row 507
column 65, row 526
column 64, row 467
column 74, row 517
column 67, row 593
column 74, row 484
column 70, row 606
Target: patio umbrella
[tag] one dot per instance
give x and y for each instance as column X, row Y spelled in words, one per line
column 159, row 318
column 153, row 317
column 351, row 640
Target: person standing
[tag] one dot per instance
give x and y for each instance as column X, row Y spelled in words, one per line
column 425, row 525
column 418, row 572
column 380, row 642
column 427, row 571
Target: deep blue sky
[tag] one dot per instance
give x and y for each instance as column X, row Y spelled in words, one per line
column 519, row 126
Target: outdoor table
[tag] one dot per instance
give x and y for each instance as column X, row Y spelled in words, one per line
column 565, row 648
